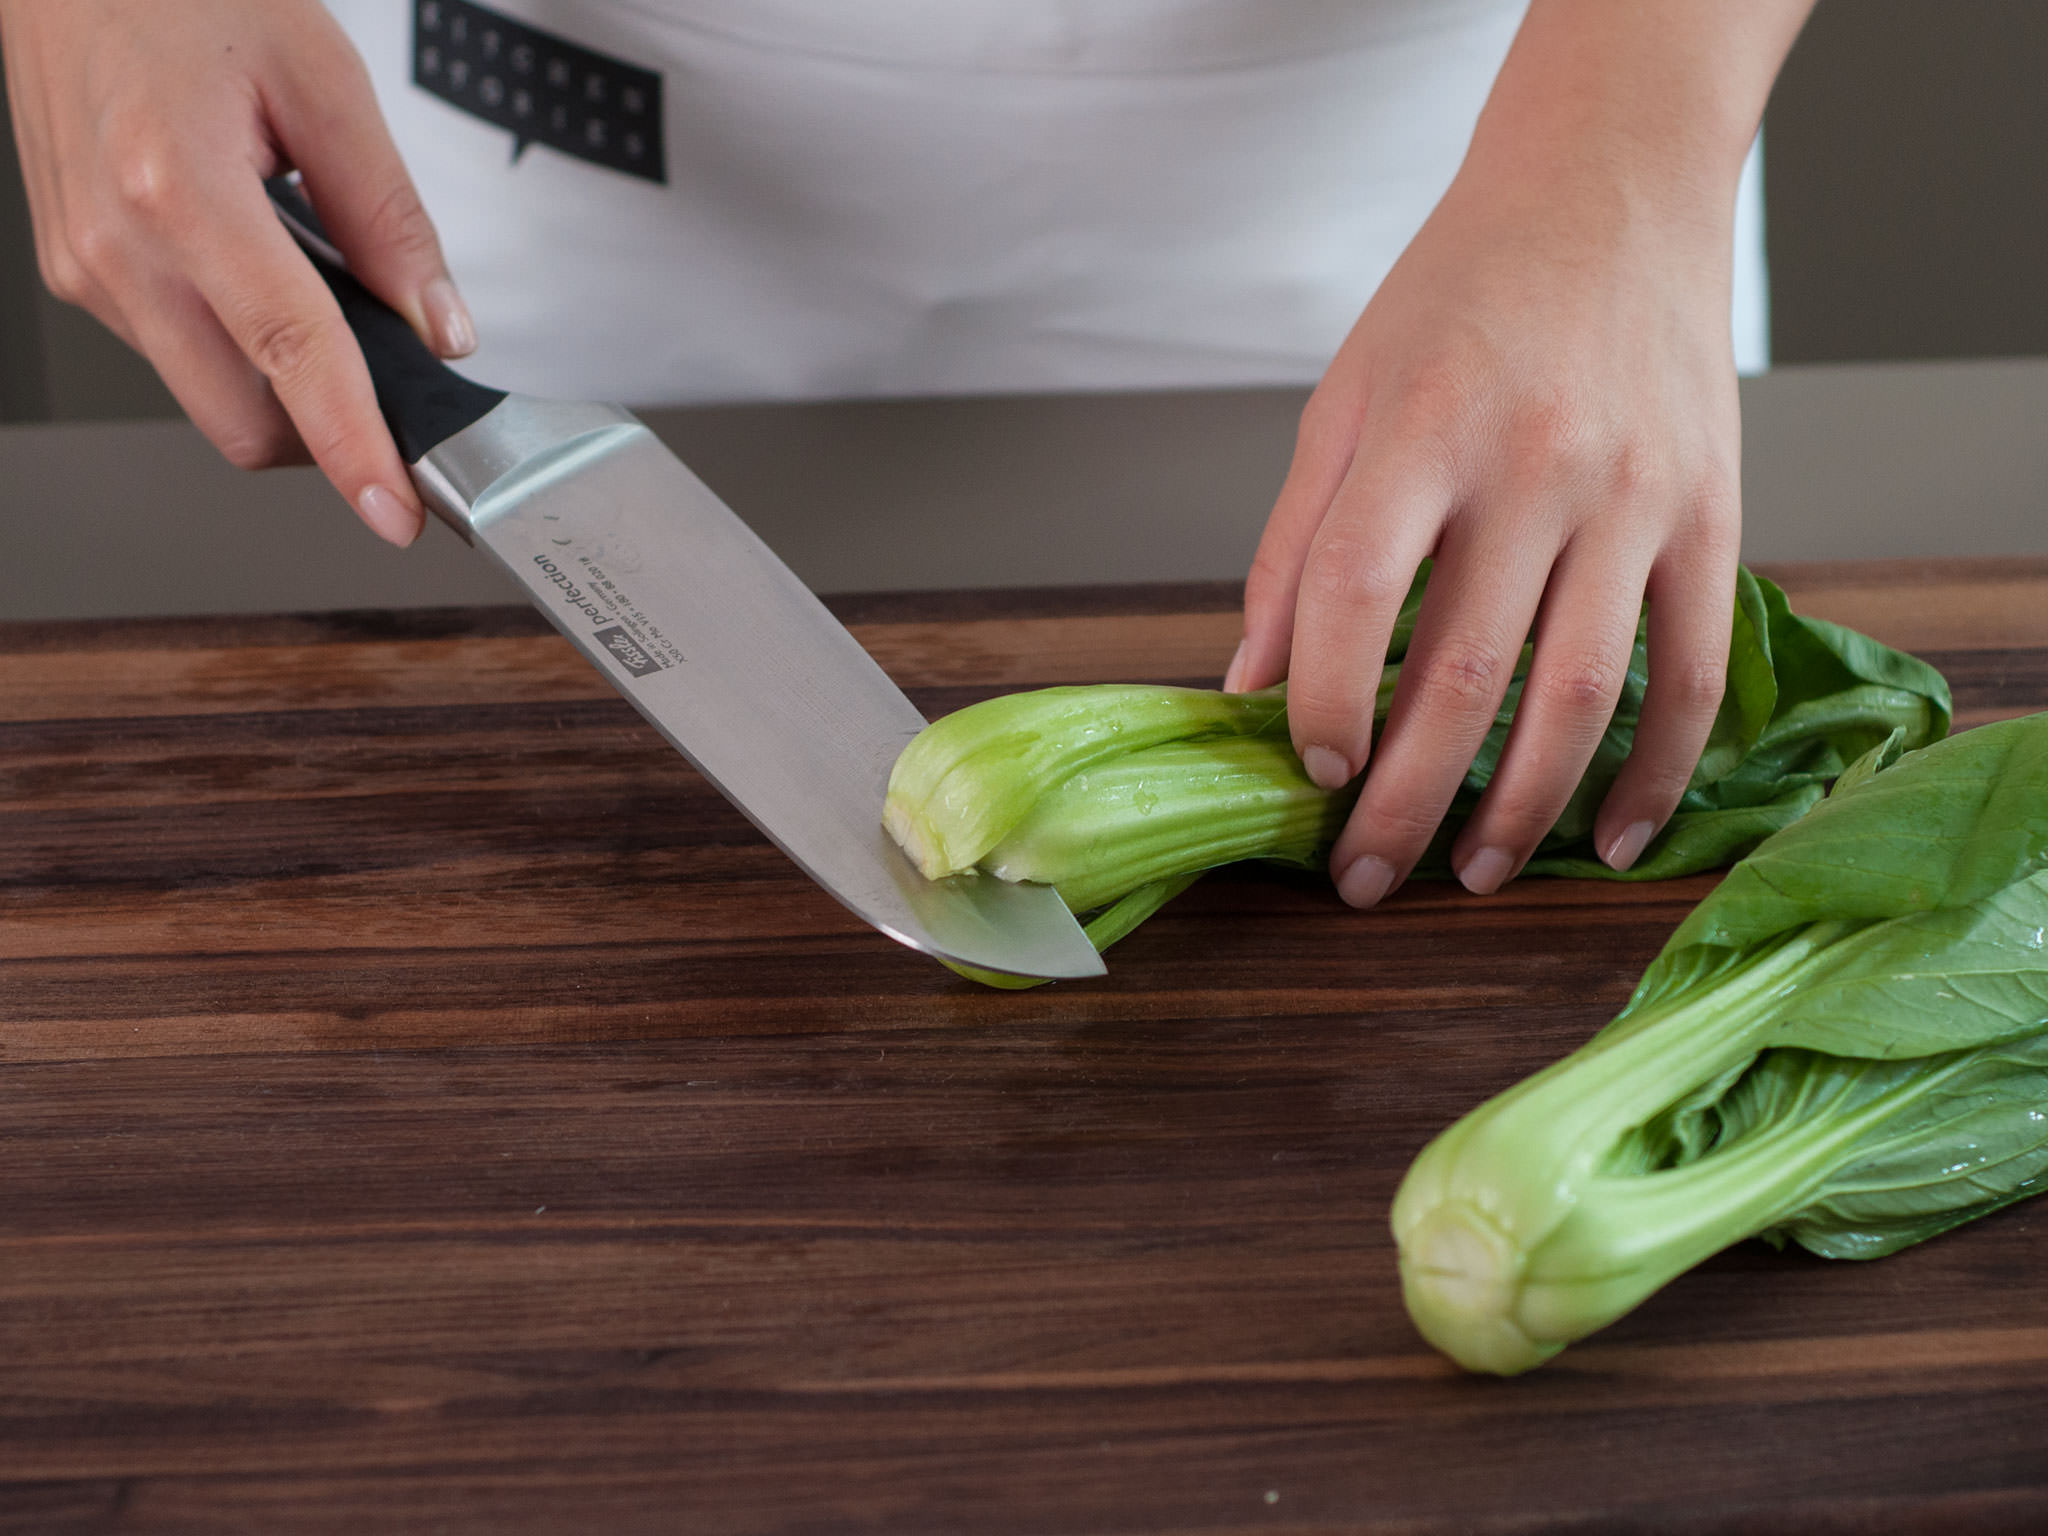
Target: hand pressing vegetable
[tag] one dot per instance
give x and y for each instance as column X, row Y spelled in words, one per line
column 1121, row 795
column 1844, row 1046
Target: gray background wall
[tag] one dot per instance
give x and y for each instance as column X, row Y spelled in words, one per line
column 1907, row 182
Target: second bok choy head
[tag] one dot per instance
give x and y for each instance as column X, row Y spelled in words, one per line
column 1845, row 1046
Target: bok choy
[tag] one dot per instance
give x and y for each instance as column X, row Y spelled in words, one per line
column 1120, row 796
column 1845, row 1046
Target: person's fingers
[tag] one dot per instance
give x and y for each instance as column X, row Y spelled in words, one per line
column 1691, row 594
column 218, row 388
column 161, row 317
column 1483, row 594
column 1584, row 635
column 329, row 127
column 1386, row 518
column 58, row 264
column 144, row 144
column 224, row 393
column 66, row 278
column 283, row 318
column 1324, row 444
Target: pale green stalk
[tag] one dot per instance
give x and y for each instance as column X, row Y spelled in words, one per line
column 967, row 779
column 1509, row 1245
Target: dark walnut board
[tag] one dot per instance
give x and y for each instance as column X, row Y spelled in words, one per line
column 425, row 1106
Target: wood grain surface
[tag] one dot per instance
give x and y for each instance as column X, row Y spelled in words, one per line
column 425, row 1106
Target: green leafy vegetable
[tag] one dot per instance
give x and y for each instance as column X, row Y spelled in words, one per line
column 967, row 780
column 1844, row 1046
column 1120, row 795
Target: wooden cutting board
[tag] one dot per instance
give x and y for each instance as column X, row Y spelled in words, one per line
column 424, row 1105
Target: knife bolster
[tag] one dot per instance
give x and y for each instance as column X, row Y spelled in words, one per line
column 523, row 435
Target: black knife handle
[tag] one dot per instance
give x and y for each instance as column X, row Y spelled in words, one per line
column 424, row 401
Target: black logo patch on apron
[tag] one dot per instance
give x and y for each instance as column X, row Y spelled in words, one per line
column 541, row 88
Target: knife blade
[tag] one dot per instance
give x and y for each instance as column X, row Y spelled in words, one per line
column 702, row 628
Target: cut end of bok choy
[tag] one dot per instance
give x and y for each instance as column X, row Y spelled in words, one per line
column 1460, row 1278
column 1844, row 1046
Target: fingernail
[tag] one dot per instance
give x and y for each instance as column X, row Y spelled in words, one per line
column 389, row 517
column 448, row 318
column 1235, row 676
column 1329, row 769
column 1629, row 844
column 1486, row 871
column 1365, row 880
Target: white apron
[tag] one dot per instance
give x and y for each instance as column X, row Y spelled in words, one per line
column 916, row 197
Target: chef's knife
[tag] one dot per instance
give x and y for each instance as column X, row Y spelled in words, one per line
column 690, row 616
